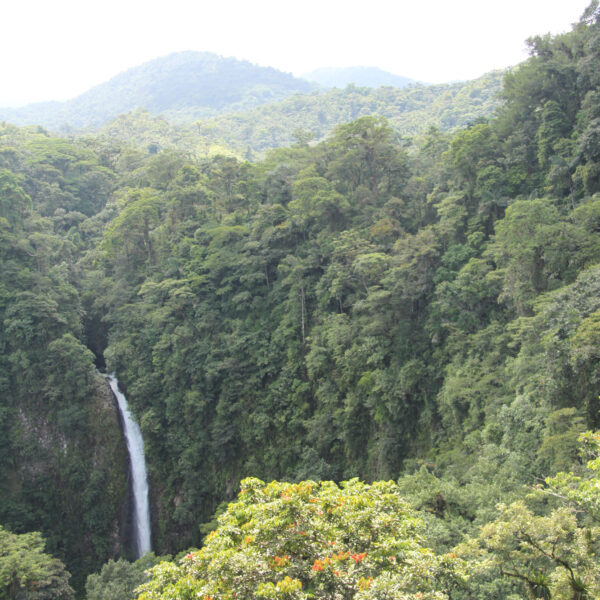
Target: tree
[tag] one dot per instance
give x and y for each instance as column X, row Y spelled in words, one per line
column 362, row 154
column 118, row 579
column 581, row 490
column 550, row 555
column 554, row 555
column 27, row 572
column 310, row 540
column 535, row 249
column 14, row 202
column 128, row 239
column 471, row 150
column 553, row 128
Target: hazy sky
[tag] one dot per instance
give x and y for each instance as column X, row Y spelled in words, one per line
column 56, row 49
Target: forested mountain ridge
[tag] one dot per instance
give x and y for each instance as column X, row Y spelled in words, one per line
column 363, row 307
column 193, row 84
column 175, row 101
column 311, row 117
column 409, row 110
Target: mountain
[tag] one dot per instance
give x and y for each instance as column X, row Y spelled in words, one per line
column 197, row 84
column 372, row 77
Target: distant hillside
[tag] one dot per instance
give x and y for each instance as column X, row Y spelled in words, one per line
column 372, row 77
column 409, row 110
column 189, row 84
column 251, row 133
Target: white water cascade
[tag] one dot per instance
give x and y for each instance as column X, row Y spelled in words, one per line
column 135, row 446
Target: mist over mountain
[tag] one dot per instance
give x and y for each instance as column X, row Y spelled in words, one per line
column 372, row 77
column 199, row 84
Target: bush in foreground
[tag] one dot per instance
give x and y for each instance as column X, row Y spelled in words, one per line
column 310, row 540
column 27, row 572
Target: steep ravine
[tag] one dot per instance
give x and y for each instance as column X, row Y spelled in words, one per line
column 68, row 479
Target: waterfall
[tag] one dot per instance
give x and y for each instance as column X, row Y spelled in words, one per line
column 135, row 446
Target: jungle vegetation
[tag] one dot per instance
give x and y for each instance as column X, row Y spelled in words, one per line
column 371, row 307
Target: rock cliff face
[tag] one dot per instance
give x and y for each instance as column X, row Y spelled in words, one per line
column 110, row 456
column 68, row 479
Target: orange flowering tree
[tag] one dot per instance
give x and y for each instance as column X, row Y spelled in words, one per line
column 310, row 540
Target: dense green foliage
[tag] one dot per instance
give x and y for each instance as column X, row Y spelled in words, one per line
column 409, row 110
column 27, row 572
column 62, row 460
column 194, row 84
column 118, row 579
column 306, row 117
column 337, row 310
column 424, row 309
column 310, row 540
column 546, row 551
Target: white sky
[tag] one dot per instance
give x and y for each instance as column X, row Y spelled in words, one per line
column 56, row 49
